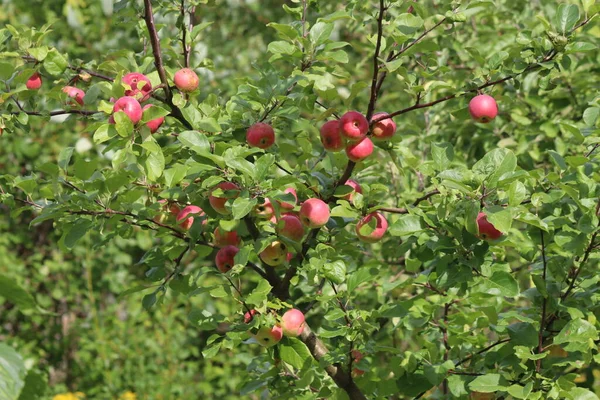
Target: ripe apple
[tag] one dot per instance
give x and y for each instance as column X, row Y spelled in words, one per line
column 284, row 204
column 483, row 108
column 331, row 136
column 357, row 355
column 354, row 185
column 186, row 80
column 218, row 203
column 268, row 337
column 260, row 135
column 275, row 254
column 224, row 238
column 384, row 129
column 264, row 210
column 249, row 315
column 183, row 217
column 292, row 322
column 130, row 106
column 154, row 124
column 74, row 93
column 224, row 258
column 314, row 213
column 360, row 150
column 140, row 86
column 487, row 231
column 354, row 126
column 173, row 209
column 290, row 227
column 380, row 228
column 34, row 82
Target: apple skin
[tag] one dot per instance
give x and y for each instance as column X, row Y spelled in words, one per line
column 292, row 322
column 483, row 108
column 354, row 126
column 74, row 93
column 290, row 227
column 314, row 213
column 173, row 209
column 275, row 254
column 225, row 258
column 264, row 210
column 487, row 231
column 384, row 129
column 186, row 80
column 218, row 203
column 284, row 204
column 34, row 82
column 380, row 228
column 260, row 135
column 183, row 217
column 130, row 106
column 249, row 316
column 331, row 136
column 354, row 185
column 268, row 337
column 360, row 150
column 154, row 124
column 140, row 86
column 224, row 238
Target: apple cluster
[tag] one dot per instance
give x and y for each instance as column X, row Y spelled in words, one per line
column 291, row 324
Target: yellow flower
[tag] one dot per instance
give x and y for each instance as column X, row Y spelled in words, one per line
column 128, row 396
column 69, row 396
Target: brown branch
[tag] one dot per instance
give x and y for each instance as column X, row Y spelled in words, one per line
column 538, row 365
column 467, row 358
column 155, row 42
column 395, row 210
column 373, row 99
column 417, row 40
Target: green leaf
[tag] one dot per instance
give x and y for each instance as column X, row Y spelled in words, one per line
column 242, row 207
column 14, row 293
column 566, row 17
column 155, row 164
column 501, row 284
column 76, row 232
column 12, row 373
column 35, row 387
column 104, row 133
column 208, row 125
column 294, row 352
column 523, row 334
column 577, row 330
column 260, row 293
column 54, row 63
column 320, row 32
column 408, row 23
column 488, row 383
column 359, row 277
column 335, row 271
column 406, row 225
column 442, row 154
column 195, row 141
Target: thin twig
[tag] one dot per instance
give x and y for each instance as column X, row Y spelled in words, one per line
column 538, row 366
column 373, row 99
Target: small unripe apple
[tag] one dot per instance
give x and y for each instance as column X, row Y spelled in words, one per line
column 314, row 213
column 225, row 258
column 140, row 86
column 275, row 254
column 331, row 136
column 354, row 185
column 172, row 208
column 154, row 124
column 260, row 135
column 130, row 106
column 218, row 203
column 360, row 150
column 383, row 129
column 290, row 227
column 186, row 80
column 284, row 204
column 34, row 82
column 268, row 337
column 74, row 93
column 354, row 126
column 292, row 322
column 487, row 231
column 264, row 210
column 184, row 218
column 249, row 316
column 224, row 238
column 377, row 233
column 483, row 108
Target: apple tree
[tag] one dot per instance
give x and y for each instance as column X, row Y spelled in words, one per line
column 373, row 199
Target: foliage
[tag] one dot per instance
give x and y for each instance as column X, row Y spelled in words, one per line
column 436, row 311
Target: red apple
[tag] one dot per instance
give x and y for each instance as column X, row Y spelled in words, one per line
column 249, row 315
column 140, row 86
column 284, row 204
column 384, row 129
column 360, row 150
column 354, row 185
column 130, row 106
column 224, row 238
column 314, row 213
column 225, row 258
column 487, row 231
column 264, row 210
column 275, row 254
column 74, row 93
column 184, row 219
column 34, row 82
column 292, row 323
column 154, row 124
column 186, row 80
column 260, row 135
column 381, row 226
column 483, row 108
column 354, row 126
column 173, row 209
column 268, row 337
column 331, row 136
column 218, row 203
column 357, row 355
column 290, row 227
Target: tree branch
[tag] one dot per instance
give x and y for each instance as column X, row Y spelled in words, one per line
column 415, row 203
column 538, row 365
column 373, row 99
